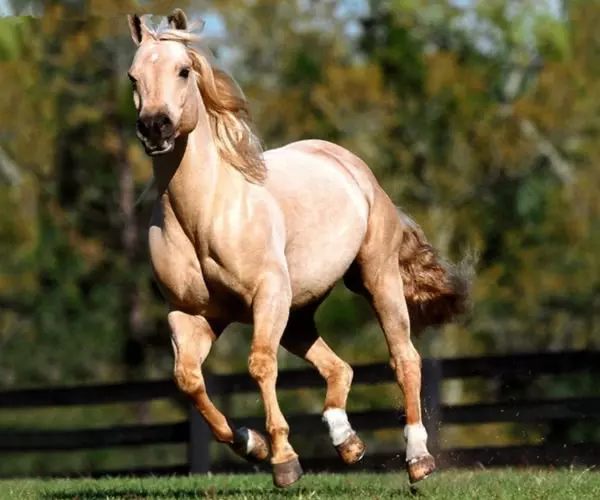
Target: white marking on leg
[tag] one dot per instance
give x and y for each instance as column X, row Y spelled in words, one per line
column 339, row 426
column 416, row 441
column 245, row 440
column 250, row 442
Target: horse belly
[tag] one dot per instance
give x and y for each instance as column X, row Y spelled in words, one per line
column 319, row 260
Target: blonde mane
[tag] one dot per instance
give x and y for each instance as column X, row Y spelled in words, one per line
column 227, row 108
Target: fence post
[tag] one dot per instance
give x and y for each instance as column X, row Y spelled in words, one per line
column 431, row 397
column 200, row 435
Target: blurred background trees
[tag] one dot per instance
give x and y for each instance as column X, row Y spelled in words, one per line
column 478, row 117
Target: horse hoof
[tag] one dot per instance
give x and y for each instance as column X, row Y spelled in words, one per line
column 251, row 445
column 287, row 473
column 420, row 468
column 352, row 450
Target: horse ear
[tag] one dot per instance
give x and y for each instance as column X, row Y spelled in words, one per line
column 137, row 27
column 178, row 20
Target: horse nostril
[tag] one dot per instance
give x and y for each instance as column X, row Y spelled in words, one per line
column 165, row 125
column 142, row 128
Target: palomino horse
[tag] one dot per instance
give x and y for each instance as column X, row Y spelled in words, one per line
column 242, row 235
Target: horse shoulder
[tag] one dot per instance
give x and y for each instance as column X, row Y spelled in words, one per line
column 246, row 242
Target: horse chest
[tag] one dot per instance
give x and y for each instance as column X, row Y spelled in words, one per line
column 190, row 282
column 180, row 279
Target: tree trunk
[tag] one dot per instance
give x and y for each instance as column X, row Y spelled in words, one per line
column 134, row 355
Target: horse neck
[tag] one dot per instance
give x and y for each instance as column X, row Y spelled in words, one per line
column 186, row 179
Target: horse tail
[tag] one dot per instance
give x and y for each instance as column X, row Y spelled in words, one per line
column 436, row 291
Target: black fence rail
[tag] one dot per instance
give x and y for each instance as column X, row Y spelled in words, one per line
column 195, row 434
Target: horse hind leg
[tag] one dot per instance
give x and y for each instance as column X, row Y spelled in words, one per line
column 192, row 338
column 302, row 339
column 380, row 282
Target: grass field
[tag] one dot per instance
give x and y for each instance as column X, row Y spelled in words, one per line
column 481, row 485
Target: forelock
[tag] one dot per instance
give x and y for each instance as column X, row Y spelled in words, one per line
column 161, row 31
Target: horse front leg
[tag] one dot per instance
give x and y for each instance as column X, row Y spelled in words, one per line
column 271, row 306
column 302, row 339
column 192, row 338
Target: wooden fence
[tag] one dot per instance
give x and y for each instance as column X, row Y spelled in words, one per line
column 195, row 434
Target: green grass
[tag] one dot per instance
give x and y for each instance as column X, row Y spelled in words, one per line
column 482, row 485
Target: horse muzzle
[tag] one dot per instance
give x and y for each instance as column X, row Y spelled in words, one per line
column 156, row 132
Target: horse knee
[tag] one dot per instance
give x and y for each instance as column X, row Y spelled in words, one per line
column 189, row 379
column 262, row 364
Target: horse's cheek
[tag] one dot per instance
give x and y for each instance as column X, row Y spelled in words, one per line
column 189, row 116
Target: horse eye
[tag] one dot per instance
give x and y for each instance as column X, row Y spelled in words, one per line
column 184, row 73
column 131, row 79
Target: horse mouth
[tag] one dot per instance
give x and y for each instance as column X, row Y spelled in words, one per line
column 159, row 149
